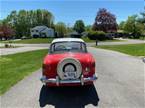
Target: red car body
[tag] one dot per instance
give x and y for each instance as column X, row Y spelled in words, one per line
column 50, row 74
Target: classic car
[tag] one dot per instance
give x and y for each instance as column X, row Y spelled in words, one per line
column 68, row 63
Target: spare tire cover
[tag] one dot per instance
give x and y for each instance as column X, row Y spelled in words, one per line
column 72, row 63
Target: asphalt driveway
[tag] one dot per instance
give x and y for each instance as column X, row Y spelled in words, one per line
column 120, row 84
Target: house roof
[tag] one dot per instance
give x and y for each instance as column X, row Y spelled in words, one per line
column 41, row 28
column 67, row 39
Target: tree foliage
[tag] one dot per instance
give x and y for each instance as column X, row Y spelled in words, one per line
column 121, row 25
column 96, row 35
column 105, row 21
column 133, row 26
column 23, row 20
column 6, row 31
column 61, row 29
column 69, row 29
column 79, row 26
column 142, row 18
column 88, row 28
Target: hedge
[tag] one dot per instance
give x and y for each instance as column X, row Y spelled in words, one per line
column 97, row 35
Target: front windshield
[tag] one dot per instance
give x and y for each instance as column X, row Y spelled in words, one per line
column 60, row 47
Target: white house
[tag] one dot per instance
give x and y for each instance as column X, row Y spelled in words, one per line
column 42, row 31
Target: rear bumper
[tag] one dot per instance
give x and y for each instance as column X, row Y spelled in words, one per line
column 58, row 82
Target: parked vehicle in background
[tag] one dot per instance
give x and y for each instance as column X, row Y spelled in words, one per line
column 24, row 37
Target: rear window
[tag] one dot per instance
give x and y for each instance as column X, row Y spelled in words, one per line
column 61, row 47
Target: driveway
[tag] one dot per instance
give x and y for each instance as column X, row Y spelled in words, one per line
column 120, row 84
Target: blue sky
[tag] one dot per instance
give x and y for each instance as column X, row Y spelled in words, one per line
column 69, row 11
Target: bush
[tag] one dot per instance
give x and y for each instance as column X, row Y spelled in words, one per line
column 6, row 45
column 96, row 35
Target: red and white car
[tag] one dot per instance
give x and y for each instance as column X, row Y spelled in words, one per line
column 68, row 64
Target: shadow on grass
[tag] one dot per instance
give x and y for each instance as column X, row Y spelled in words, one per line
column 68, row 97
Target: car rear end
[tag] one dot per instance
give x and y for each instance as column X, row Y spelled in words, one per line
column 69, row 71
column 68, row 64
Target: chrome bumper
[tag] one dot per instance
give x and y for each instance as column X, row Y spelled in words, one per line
column 57, row 81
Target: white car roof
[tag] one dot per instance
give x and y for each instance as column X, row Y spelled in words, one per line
column 67, row 39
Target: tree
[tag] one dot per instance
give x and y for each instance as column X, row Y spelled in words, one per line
column 96, row 35
column 142, row 21
column 142, row 18
column 23, row 20
column 6, row 31
column 88, row 28
column 61, row 29
column 105, row 21
column 121, row 25
column 69, row 29
column 133, row 26
column 79, row 26
column 0, row 21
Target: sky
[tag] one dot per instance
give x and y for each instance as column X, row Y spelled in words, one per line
column 68, row 11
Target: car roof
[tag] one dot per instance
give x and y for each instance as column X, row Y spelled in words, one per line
column 67, row 39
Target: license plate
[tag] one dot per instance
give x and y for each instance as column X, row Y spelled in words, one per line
column 71, row 75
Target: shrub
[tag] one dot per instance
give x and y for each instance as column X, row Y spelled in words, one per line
column 96, row 35
column 6, row 45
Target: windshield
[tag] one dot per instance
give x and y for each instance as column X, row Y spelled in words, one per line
column 61, row 47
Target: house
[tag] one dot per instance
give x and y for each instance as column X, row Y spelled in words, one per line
column 42, row 32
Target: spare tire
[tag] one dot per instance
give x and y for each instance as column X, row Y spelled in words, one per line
column 67, row 66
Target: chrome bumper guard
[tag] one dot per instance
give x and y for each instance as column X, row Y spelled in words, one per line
column 57, row 81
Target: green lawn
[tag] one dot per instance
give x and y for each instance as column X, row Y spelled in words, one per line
column 15, row 67
column 88, row 40
column 114, row 40
column 131, row 49
column 142, row 38
column 48, row 40
column 31, row 41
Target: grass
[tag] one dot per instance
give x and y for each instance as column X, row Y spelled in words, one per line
column 15, row 67
column 86, row 39
column 49, row 40
column 131, row 49
column 114, row 40
column 31, row 41
column 142, row 38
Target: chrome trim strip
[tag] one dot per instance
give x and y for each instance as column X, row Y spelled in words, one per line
column 55, row 80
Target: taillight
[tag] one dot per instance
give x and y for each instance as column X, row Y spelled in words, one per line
column 45, row 67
